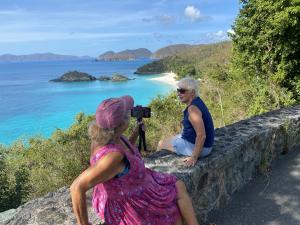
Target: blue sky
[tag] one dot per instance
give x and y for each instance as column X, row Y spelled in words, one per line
column 91, row 27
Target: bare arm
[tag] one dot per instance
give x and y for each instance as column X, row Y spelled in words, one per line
column 195, row 117
column 105, row 169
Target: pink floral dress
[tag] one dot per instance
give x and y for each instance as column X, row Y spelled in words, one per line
column 140, row 197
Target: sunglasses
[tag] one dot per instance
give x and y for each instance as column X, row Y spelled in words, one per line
column 181, row 90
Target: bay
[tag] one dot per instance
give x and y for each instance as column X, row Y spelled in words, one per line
column 31, row 105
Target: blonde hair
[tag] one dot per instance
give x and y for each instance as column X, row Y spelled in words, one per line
column 189, row 84
column 103, row 136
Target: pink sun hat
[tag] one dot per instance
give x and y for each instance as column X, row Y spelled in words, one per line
column 111, row 112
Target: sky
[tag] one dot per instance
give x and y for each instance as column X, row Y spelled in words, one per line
column 91, row 27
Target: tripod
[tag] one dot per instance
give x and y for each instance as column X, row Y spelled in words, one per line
column 142, row 136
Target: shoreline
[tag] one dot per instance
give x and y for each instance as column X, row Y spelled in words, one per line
column 168, row 78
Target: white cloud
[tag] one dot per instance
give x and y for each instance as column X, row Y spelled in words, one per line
column 192, row 13
column 220, row 33
column 210, row 37
column 230, row 31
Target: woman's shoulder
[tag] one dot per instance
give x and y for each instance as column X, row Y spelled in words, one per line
column 194, row 109
column 105, row 150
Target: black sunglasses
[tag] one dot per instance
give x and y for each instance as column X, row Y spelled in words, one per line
column 181, row 90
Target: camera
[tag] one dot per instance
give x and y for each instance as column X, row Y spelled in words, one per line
column 140, row 112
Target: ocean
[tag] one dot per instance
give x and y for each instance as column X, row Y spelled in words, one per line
column 31, row 105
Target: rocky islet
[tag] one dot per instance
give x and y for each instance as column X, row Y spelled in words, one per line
column 76, row 76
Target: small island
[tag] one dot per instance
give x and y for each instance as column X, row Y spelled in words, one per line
column 114, row 78
column 119, row 77
column 74, row 76
column 104, row 78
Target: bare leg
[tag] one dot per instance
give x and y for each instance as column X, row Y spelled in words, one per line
column 166, row 144
column 179, row 221
column 185, row 204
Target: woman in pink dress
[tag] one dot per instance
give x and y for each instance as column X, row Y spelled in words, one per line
column 125, row 192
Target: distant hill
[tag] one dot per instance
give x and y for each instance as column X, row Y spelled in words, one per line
column 125, row 55
column 194, row 60
column 171, row 50
column 40, row 57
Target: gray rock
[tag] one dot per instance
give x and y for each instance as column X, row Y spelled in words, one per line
column 54, row 208
column 7, row 215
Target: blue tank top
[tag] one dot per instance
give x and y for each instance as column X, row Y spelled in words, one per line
column 189, row 132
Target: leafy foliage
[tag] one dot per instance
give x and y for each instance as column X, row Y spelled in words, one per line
column 266, row 51
column 14, row 183
column 5, row 189
column 43, row 165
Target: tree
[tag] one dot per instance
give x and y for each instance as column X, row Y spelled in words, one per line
column 5, row 188
column 266, row 46
column 22, row 187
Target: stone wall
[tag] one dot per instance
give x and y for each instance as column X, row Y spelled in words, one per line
column 241, row 150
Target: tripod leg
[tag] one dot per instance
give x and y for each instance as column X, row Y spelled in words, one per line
column 140, row 143
column 144, row 141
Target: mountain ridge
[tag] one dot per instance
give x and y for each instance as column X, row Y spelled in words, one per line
column 133, row 54
column 128, row 54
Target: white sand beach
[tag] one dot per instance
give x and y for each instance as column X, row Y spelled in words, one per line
column 168, row 78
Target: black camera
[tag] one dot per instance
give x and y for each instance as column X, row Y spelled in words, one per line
column 140, row 112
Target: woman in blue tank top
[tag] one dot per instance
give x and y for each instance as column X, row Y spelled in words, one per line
column 197, row 136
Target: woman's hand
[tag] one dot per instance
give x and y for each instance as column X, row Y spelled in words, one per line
column 190, row 161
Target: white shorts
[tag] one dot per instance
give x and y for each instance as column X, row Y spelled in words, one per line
column 184, row 147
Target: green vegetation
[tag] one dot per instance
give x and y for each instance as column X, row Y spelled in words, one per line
column 152, row 68
column 266, row 52
column 194, row 61
column 258, row 71
column 43, row 165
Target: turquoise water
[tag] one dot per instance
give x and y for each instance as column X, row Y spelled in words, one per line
column 30, row 104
